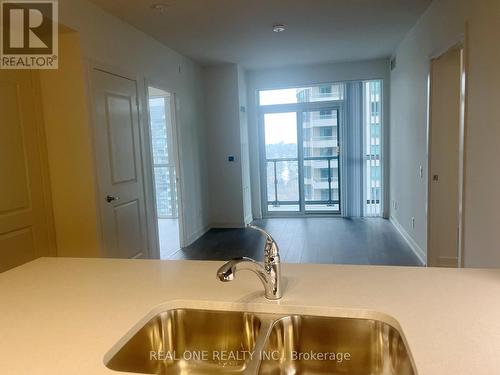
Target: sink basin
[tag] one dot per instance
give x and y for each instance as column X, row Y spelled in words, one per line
column 184, row 341
column 316, row 345
column 193, row 341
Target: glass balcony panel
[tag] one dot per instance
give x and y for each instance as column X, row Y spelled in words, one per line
column 282, row 167
column 283, row 185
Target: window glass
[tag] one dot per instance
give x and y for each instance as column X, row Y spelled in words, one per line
column 326, row 92
column 326, row 151
column 324, row 173
column 325, row 114
column 326, row 131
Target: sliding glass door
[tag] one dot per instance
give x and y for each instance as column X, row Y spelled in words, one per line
column 303, row 168
column 320, row 160
column 282, row 162
column 301, row 164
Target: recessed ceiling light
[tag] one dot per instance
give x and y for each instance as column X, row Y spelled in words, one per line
column 159, row 7
column 279, row 28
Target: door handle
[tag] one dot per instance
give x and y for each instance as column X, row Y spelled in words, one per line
column 110, row 198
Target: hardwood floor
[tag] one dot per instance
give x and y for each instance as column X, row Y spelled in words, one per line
column 309, row 240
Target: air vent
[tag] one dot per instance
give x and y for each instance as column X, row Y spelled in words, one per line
column 393, row 63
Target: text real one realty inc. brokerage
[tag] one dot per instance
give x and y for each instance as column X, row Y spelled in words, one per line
column 243, row 355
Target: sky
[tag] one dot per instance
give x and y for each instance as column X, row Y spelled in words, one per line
column 280, row 127
column 282, row 96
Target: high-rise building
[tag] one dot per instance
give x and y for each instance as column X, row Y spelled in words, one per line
column 164, row 173
column 320, row 137
column 373, row 144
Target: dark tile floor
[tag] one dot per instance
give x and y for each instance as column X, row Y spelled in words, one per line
column 309, row 240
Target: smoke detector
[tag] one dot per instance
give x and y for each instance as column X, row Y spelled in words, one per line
column 279, row 28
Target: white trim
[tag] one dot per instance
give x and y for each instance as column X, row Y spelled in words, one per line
column 454, row 41
column 450, row 262
column 89, row 66
column 152, row 222
column 248, row 219
column 175, row 142
column 457, row 42
column 202, row 231
column 227, row 225
column 417, row 250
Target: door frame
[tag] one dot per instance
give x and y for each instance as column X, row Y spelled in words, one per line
column 458, row 42
column 298, row 108
column 177, row 151
column 151, row 236
column 44, row 164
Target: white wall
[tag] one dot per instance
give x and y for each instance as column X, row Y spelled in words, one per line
column 437, row 29
column 226, row 125
column 67, row 131
column 108, row 40
column 301, row 76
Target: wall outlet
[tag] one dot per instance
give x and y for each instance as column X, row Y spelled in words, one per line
column 421, row 172
column 413, row 223
column 394, row 204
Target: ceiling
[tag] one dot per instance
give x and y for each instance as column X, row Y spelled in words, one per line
column 240, row 31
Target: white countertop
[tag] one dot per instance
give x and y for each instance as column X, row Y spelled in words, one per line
column 61, row 316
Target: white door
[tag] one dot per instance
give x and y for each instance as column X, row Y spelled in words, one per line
column 24, row 223
column 444, row 140
column 119, row 169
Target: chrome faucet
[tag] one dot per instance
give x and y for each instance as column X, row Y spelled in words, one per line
column 269, row 274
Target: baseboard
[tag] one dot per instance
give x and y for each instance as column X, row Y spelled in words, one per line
column 200, row 232
column 248, row 219
column 451, row 262
column 197, row 234
column 227, row 225
column 417, row 250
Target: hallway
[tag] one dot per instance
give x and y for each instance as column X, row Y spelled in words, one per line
column 168, row 231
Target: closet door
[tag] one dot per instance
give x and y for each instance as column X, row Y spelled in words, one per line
column 24, row 217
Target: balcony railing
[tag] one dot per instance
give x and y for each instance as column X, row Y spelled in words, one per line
column 323, row 138
column 277, row 198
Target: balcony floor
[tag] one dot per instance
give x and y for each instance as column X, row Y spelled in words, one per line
column 310, row 240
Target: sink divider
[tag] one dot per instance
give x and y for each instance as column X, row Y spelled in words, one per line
column 260, row 344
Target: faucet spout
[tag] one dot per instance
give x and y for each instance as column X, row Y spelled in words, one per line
column 228, row 270
column 269, row 273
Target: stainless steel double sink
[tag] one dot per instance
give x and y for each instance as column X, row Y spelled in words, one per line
column 190, row 341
